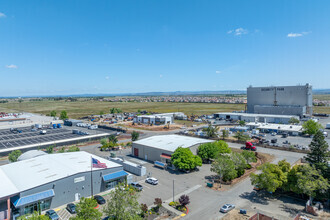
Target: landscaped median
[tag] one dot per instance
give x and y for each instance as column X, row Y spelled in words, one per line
column 181, row 205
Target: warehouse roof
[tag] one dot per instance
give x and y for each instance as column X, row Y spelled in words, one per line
column 257, row 115
column 280, row 127
column 23, row 175
column 171, row 142
column 31, row 154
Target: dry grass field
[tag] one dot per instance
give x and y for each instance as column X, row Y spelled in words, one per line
column 83, row 108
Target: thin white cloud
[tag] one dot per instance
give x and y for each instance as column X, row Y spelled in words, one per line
column 238, row 31
column 217, row 71
column 161, row 76
column 2, row 15
column 11, row 66
column 107, row 77
column 293, row 35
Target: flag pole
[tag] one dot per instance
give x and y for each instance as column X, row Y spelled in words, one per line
column 92, row 176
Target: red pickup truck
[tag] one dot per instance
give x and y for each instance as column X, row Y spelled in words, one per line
column 249, row 146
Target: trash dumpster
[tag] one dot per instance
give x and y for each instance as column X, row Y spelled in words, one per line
column 209, row 185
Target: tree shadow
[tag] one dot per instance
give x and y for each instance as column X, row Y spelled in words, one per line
column 256, row 197
column 290, row 210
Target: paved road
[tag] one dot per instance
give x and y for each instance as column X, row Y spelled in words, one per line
column 206, row 203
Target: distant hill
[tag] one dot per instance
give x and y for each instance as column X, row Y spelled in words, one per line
column 176, row 93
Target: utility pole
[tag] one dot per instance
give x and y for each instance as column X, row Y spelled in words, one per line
column 173, row 190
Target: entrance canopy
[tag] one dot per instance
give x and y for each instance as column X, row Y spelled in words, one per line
column 115, row 175
column 166, row 156
column 33, row 198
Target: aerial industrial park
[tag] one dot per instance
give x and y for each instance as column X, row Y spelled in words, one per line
column 52, row 165
column 164, row 110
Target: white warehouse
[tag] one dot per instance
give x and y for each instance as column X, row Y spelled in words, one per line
column 158, row 119
column 263, row 118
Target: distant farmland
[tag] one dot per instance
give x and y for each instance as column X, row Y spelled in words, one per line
column 84, row 107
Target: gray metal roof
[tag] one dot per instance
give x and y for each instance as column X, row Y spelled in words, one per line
column 171, row 142
column 31, row 154
column 30, row 173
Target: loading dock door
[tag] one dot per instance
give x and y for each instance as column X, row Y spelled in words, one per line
column 136, row 152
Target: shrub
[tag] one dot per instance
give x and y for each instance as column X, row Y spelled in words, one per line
column 184, row 200
column 240, row 172
column 171, row 204
column 248, row 166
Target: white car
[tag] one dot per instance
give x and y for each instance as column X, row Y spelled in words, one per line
column 227, row 207
column 152, row 180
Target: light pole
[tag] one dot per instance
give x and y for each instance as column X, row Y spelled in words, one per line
column 173, row 190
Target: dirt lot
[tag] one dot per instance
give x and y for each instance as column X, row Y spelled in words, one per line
column 150, row 128
column 235, row 215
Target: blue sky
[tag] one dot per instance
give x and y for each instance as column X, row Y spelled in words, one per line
column 83, row 46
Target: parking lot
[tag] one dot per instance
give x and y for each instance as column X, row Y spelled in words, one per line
column 26, row 136
column 204, row 202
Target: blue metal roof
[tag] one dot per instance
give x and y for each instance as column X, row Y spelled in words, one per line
column 34, row 198
column 115, row 175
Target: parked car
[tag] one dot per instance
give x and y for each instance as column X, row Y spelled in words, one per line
column 286, row 142
column 137, row 186
column 71, row 208
column 227, row 207
column 285, row 135
column 273, row 134
column 52, row 215
column 99, row 199
column 273, row 141
column 152, row 180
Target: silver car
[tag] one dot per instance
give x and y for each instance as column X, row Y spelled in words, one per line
column 227, row 207
column 152, row 180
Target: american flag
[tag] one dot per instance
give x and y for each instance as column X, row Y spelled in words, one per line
column 97, row 164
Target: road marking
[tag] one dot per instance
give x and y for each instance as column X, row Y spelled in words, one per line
column 184, row 193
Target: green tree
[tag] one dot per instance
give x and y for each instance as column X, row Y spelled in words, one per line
column 123, row 204
column 241, row 123
column 225, row 168
column 208, row 151
column 319, row 153
column 271, row 177
column 13, row 156
column 239, row 160
column 33, row 216
column 184, row 159
column 53, row 113
column 86, row 210
column 223, row 147
column 211, row 131
column 103, row 141
column 73, row 149
column 135, row 135
column 50, row 149
column 101, row 113
column 113, row 139
column 311, row 127
column 64, row 115
column 294, row 120
column 249, row 156
column 62, row 150
column 224, row 134
column 241, row 137
column 309, row 181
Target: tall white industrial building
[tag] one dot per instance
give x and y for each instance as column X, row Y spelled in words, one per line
column 280, row 100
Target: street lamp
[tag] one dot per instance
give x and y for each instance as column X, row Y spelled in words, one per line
column 173, row 190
